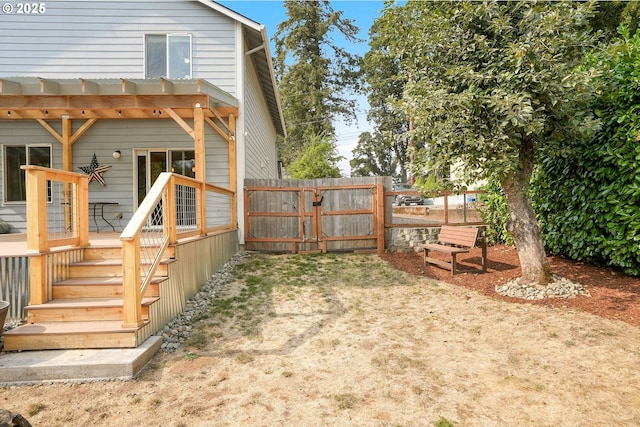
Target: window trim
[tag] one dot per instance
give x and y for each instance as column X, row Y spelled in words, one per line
column 167, row 37
column 5, row 169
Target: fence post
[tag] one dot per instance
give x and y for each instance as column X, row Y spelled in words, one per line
column 379, row 217
column 446, row 208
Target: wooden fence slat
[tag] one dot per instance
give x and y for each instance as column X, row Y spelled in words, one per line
column 346, row 212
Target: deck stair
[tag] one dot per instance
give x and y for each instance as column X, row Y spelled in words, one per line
column 86, row 309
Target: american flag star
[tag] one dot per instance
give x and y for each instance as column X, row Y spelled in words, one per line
column 95, row 171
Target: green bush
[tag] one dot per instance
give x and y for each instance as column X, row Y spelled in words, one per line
column 587, row 198
column 494, row 212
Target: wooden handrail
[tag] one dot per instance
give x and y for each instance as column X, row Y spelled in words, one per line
column 161, row 195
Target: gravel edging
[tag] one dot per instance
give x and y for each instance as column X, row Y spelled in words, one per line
column 177, row 331
column 559, row 288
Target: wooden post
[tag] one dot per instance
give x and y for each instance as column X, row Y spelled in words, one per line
column 446, row 208
column 66, row 165
column 246, row 214
column 37, row 236
column 378, row 215
column 169, row 206
column 233, row 171
column 201, row 176
column 132, row 295
column 82, row 211
column 38, row 279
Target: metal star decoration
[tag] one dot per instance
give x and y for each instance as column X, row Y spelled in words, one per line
column 95, row 171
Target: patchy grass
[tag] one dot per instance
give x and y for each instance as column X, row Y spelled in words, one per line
column 345, row 339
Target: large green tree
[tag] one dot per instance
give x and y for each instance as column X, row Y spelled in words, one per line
column 384, row 84
column 497, row 84
column 315, row 75
column 372, row 156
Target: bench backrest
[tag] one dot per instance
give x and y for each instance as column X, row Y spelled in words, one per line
column 459, row 236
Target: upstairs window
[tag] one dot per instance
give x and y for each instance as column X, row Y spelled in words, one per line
column 168, row 56
column 14, row 177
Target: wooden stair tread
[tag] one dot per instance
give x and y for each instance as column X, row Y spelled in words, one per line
column 113, row 261
column 55, row 328
column 87, row 303
column 114, row 280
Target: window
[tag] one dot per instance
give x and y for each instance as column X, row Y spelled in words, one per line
column 14, row 177
column 168, row 55
column 183, row 163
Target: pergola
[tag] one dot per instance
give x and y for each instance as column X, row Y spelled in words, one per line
column 90, row 100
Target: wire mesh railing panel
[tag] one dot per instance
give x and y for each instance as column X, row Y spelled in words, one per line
column 187, row 208
column 62, row 207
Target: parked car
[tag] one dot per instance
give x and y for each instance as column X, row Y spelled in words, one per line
column 412, row 196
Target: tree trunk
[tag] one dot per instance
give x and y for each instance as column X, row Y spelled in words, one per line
column 523, row 225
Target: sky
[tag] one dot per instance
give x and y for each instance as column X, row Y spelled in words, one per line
column 270, row 13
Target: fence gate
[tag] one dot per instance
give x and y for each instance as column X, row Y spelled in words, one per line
column 314, row 216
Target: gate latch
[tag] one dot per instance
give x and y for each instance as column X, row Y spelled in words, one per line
column 319, row 202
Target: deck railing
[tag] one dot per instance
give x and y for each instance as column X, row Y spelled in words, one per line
column 57, row 207
column 175, row 207
column 57, row 215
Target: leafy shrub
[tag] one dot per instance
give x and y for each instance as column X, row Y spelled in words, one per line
column 494, row 212
column 588, row 198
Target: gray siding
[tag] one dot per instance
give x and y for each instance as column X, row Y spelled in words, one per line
column 105, row 39
column 102, row 139
column 22, row 133
column 261, row 155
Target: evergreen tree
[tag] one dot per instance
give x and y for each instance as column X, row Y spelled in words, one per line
column 314, row 74
column 384, row 83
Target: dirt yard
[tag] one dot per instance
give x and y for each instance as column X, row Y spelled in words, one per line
column 350, row 340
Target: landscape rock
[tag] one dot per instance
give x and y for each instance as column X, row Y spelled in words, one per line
column 9, row 419
column 559, row 288
column 176, row 332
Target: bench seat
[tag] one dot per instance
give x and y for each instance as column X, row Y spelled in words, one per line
column 454, row 241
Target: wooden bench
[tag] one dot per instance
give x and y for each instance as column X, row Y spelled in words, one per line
column 454, row 241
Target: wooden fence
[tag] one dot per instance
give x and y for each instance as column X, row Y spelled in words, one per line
column 326, row 215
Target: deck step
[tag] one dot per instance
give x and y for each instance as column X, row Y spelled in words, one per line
column 99, row 287
column 115, row 252
column 83, row 310
column 87, row 309
column 63, row 335
column 108, row 268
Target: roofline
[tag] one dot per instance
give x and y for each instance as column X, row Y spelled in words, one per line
column 265, row 37
column 232, row 14
column 259, row 28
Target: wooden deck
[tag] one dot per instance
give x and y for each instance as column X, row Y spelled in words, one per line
column 15, row 244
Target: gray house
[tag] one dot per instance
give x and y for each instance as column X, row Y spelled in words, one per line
column 130, row 68
column 140, row 118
